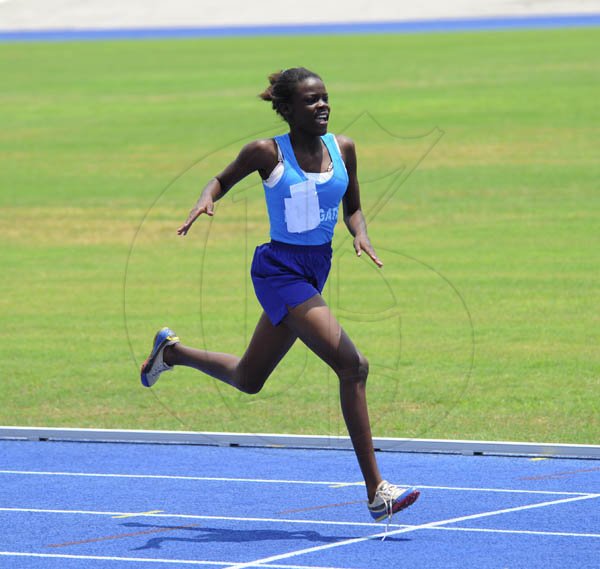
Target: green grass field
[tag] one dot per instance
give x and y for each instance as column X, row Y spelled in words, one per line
column 479, row 160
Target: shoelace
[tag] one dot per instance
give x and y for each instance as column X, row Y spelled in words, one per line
column 386, row 493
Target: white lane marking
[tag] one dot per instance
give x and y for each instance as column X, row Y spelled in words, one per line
column 501, row 490
column 521, row 532
column 167, row 477
column 135, row 515
column 150, row 560
column 197, row 517
column 102, row 558
column 277, row 481
column 263, row 561
column 299, row 521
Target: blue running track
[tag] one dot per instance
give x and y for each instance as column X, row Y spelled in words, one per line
column 117, row 505
column 400, row 27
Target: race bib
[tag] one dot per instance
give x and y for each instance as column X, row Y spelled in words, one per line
column 302, row 212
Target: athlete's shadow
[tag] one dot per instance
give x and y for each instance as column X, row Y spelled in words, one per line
column 223, row 535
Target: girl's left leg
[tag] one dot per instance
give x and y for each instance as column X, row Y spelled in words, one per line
column 267, row 347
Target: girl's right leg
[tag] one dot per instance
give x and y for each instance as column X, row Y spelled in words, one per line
column 316, row 326
column 248, row 374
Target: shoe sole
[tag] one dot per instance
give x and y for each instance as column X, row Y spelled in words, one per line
column 407, row 501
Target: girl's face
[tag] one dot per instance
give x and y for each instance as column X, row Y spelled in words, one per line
column 309, row 110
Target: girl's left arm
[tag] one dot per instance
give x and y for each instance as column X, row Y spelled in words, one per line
column 353, row 215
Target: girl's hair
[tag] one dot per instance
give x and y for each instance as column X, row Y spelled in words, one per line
column 282, row 86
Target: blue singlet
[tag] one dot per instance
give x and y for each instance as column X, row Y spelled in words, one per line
column 302, row 212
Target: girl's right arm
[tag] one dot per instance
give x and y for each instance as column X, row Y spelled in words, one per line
column 259, row 155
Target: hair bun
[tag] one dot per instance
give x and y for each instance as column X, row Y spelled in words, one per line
column 282, row 85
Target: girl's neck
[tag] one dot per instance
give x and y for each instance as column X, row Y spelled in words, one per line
column 310, row 143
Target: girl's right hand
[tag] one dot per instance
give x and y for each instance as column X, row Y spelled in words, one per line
column 204, row 205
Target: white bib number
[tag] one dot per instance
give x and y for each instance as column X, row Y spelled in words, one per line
column 302, row 211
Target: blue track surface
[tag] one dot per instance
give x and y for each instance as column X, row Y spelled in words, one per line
column 416, row 26
column 72, row 505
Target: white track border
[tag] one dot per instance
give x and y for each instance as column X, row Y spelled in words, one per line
column 442, row 446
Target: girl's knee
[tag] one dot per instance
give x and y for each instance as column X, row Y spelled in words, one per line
column 252, row 388
column 357, row 372
column 248, row 382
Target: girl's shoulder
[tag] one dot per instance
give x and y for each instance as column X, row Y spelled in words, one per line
column 346, row 146
column 344, row 141
column 262, row 148
column 261, row 154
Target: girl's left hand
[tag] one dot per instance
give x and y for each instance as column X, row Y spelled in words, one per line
column 362, row 243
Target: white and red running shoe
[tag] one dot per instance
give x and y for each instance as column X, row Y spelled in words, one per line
column 390, row 499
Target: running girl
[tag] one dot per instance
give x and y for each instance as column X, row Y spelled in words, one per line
column 306, row 174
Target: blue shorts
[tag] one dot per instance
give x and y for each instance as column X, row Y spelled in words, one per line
column 285, row 275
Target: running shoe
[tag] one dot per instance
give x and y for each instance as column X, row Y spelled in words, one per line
column 154, row 364
column 390, row 499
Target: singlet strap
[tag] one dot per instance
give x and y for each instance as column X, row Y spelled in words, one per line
column 277, row 171
column 279, row 154
column 334, row 150
column 285, row 146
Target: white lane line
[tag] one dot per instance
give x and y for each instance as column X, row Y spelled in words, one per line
column 197, row 517
column 276, row 481
column 167, row 477
column 521, row 532
column 500, row 490
column 298, row 521
column 101, row 558
column 151, row 560
column 272, row 558
column 138, row 514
